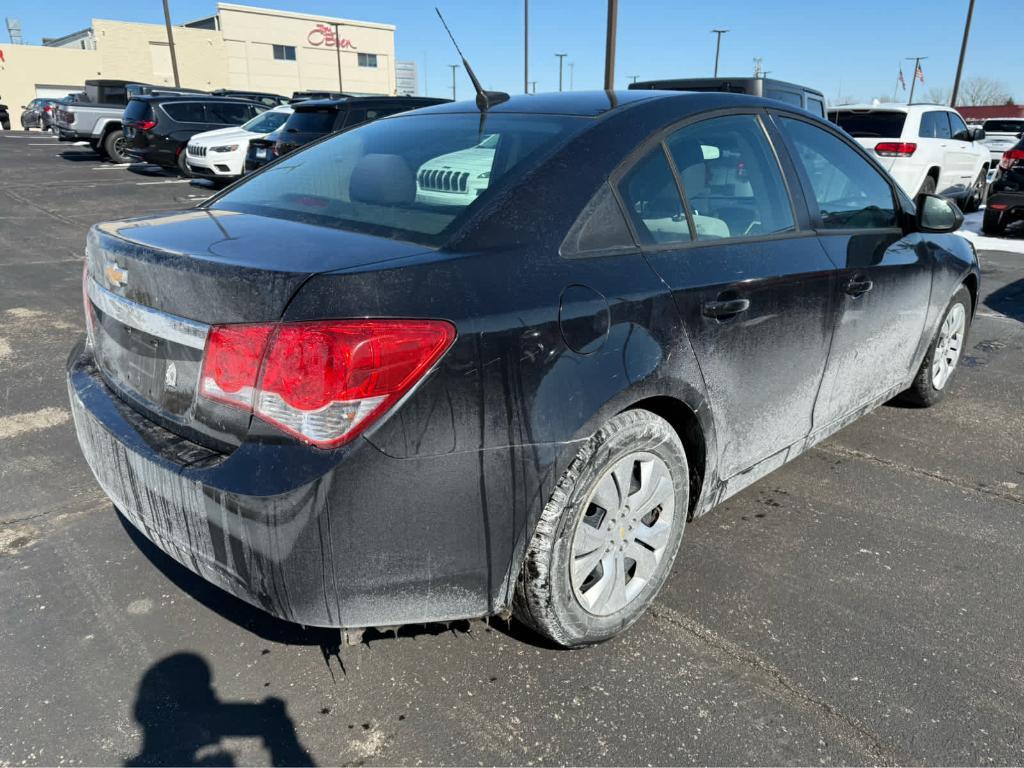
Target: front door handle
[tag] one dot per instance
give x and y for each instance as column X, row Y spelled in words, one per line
column 726, row 308
column 857, row 287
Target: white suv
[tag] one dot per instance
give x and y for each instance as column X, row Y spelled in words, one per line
column 924, row 147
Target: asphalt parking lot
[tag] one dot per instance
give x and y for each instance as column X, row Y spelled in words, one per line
column 860, row 605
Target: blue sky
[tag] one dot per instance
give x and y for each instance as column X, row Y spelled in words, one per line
column 850, row 47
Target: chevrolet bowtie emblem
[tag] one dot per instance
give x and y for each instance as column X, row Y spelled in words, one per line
column 115, row 275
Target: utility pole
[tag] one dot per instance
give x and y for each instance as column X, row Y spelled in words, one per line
column 533, row 84
column 963, row 53
column 337, row 48
column 526, row 46
column 913, row 78
column 170, row 44
column 454, row 67
column 718, row 45
column 633, row 77
column 561, row 58
column 572, row 69
column 609, row 45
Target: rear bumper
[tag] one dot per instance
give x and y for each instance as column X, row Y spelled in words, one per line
column 68, row 134
column 318, row 538
column 152, row 155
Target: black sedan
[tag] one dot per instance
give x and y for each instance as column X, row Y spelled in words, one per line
column 456, row 363
column 1005, row 203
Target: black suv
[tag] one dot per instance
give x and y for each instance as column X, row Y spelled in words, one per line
column 316, row 118
column 262, row 97
column 790, row 93
column 1005, row 203
column 157, row 128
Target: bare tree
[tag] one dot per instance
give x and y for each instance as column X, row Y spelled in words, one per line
column 982, row 91
column 885, row 98
column 937, row 95
column 841, row 100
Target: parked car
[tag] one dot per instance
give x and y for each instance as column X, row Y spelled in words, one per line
column 797, row 95
column 158, row 128
column 1005, row 203
column 97, row 119
column 1002, row 134
column 352, row 406
column 307, row 95
column 318, row 117
column 266, row 99
column 927, row 148
column 220, row 154
column 5, row 118
column 32, row 114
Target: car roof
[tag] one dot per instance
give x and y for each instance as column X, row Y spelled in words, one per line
column 890, row 107
column 191, row 97
column 348, row 101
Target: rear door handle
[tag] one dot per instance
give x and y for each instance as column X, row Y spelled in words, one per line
column 857, row 287
column 726, row 308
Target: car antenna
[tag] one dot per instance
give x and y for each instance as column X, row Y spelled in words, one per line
column 484, row 99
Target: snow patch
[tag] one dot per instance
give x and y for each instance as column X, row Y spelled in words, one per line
column 1012, row 242
column 19, row 423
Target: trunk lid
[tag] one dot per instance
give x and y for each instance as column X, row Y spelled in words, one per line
column 156, row 284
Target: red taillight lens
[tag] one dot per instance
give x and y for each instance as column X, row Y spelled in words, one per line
column 143, row 125
column 323, row 382
column 47, row 108
column 895, row 149
column 1011, row 157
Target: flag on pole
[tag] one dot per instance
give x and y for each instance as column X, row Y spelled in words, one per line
column 900, row 79
column 919, row 73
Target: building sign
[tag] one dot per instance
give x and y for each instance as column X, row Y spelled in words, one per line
column 324, row 35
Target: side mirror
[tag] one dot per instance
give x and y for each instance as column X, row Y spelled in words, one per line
column 976, row 134
column 936, row 214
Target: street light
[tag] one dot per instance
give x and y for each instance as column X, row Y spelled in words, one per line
column 561, row 58
column 718, row 45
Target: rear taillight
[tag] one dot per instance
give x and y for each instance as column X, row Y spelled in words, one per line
column 47, row 108
column 895, row 149
column 323, row 382
column 143, row 125
column 1011, row 157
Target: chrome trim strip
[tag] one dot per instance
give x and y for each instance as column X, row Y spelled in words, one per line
column 148, row 320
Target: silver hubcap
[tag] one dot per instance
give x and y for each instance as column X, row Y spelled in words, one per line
column 947, row 348
column 623, row 533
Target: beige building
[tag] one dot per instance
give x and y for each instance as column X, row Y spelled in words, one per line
column 239, row 47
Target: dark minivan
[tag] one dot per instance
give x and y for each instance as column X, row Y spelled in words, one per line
column 157, row 128
column 315, row 118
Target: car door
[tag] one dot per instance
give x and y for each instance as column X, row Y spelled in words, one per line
column 754, row 288
column 884, row 279
column 965, row 155
column 935, row 138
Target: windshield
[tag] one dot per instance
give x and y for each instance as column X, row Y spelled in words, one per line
column 412, row 178
column 876, row 124
column 267, row 122
column 1003, row 126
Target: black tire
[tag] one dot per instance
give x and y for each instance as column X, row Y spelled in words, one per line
column 114, row 146
column 545, row 599
column 977, row 194
column 927, row 186
column 992, row 224
column 923, row 392
column 183, row 168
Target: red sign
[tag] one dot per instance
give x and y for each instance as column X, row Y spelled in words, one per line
column 322, row 34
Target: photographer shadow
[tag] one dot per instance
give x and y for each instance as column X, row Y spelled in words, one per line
column 184, row 722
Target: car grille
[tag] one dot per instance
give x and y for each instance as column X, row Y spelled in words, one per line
column 196, row 151
column 443, row 181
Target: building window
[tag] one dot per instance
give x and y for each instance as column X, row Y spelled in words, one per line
column 367, row 59
column 284, row 52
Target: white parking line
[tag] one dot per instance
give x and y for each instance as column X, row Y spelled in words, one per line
column 165, row 181
column 111, row 166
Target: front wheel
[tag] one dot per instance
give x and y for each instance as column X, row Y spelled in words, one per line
column 936, row 371
column 608, row 536
column 183, row 168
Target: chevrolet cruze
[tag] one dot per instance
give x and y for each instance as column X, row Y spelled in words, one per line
column 455, row 363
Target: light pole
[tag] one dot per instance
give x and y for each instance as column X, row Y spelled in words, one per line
column 526, row 46
column 170, row 44
column 718, row 45
column 963, row 53
column 337, row 48
column 454, row 67
column 572, row 70
column 609, row 45
column 561, row 58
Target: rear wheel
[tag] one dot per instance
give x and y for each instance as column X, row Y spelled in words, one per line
column 992, row 224
column 115, row 146
column 976, row 196
column 939, row 365
column 183, row 168
column 927, row 186
column 608, row 536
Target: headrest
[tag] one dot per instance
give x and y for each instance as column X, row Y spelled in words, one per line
column 382, row 180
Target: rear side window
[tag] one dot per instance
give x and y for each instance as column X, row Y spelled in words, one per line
column 651, row 196
column 311, row 121
column 816, row 106
column 790, row 97
column 186, row 111
column 849, row 191
column 731, row 178
column 228, row 113
column 875, row 124
column 934, row 125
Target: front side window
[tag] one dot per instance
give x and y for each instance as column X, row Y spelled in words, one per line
column 959, row 127
column 934, row 125
column 411, row 177
column 651, row 197
column 367, row 59
column 731, row 178
column 284, row 52
column 850, row 193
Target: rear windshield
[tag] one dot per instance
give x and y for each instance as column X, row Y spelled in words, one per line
column 267, row 122
column 414, row 177
column 311, row 121
column 136, row 111
column 877, row 124
column 1003, row 126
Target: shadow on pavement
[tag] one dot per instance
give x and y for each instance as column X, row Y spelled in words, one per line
column 183, row 722
column 1008, row 300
